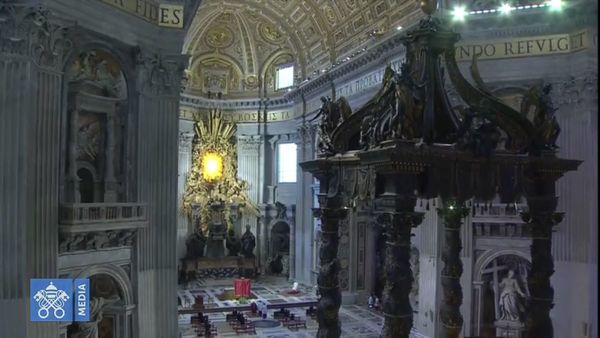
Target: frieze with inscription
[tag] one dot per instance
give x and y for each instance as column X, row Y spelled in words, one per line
column 240, row 116
column 522, row 47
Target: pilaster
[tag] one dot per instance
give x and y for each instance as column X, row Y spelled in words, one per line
column 158, row 85
column 32, row 48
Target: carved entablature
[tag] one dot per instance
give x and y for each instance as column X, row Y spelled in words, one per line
column 249, row 143
column 160, row 74
column 577, row 92
column 86, row 241
column 33, row 32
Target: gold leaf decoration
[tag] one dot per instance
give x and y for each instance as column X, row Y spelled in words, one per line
column 215, row 136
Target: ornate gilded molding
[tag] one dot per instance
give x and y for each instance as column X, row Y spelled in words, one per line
column 33, row 32
column 160, row 74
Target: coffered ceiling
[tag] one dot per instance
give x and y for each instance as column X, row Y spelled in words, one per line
column 235, row 43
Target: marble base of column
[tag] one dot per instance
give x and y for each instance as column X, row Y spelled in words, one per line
column 450, row 316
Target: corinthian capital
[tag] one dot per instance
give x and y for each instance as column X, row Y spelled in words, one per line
column 185, row 141
column 33, row 32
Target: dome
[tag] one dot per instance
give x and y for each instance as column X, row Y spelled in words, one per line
column 234, row 44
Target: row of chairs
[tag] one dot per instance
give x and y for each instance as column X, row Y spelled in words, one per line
column 240, row 323
column 203, row 326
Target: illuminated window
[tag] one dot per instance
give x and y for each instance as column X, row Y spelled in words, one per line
column 284, row 77
column 286, row 163
column 212, row 166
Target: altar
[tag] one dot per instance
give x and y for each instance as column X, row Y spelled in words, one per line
column 241, row 287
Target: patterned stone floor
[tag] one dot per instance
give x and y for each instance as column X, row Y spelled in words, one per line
column 357, row 320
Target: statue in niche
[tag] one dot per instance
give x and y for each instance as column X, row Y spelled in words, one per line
column 544, row 121
column 94, row 67
column 281, row 211
column 509, row 303
column 232, row 243
column 276, row 265
column 248, row 243
column 195, row 244
column 97, row 305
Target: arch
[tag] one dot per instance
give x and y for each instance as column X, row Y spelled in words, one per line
column 126, row 67
column 89, row 167
column 202, row 57
column 487, row 257
column 279, row 226
column 271, row 59
column 117, row 273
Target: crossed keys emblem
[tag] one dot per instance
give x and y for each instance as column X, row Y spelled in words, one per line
column 51, row 298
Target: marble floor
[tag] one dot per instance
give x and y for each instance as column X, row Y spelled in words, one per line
column 357, row 320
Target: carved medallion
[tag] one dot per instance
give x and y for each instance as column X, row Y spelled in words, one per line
column 219, row 37
column 329, row 14
column 251, row 81
column 269, row 33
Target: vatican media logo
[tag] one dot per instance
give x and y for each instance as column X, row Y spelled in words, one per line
column 59, row 300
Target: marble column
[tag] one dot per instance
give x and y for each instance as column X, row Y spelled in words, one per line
column 158, row 86
column 331, row 211
column 397, row 218
column 72, row 181
column 110, row 183
column 541, row 218
column 32, row 121
column 452, row 213
column 185, row 160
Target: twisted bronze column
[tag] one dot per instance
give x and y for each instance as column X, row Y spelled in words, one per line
column 452, row 213
column 331, row 212
column 397, row 311
column 541, row 218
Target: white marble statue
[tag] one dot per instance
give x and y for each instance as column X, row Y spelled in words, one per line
column 90, row 329
column 295, row 286
column 509, row 303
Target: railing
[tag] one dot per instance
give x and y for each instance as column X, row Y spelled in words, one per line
column 499, row 210
column 516, row 230
column 87, row 213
